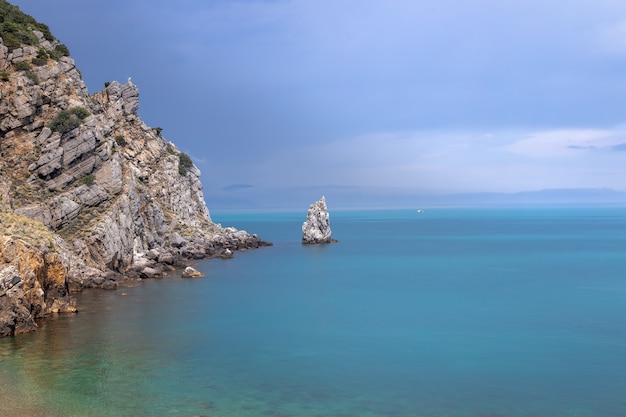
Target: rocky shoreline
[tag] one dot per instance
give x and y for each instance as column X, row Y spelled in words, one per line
column 158, row 262
column 36, row 282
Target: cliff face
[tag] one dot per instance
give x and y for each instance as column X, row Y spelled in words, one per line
column 88, row 192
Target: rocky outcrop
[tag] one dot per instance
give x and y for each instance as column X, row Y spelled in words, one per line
column 15, row 317
column 110, row 197
column 316, row 228
column 190, row 272
column 33, row 275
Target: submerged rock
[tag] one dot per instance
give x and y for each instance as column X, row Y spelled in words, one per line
column 190, row 272
column 316, row 228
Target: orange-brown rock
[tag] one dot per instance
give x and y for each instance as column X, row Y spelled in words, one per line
column 33, row 280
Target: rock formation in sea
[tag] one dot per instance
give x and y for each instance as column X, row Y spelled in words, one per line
column 316, row 228
column 89, row 194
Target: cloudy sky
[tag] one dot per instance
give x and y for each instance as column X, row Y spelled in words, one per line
column 430, row 96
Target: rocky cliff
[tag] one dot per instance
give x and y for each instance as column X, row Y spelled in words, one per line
column 89, row 194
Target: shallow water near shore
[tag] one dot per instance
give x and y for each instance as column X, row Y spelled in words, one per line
column 446, row 313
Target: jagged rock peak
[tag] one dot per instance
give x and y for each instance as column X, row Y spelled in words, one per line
column 126, row 96
column 316, row 228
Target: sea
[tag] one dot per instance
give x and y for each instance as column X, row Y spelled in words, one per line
column 449, row 312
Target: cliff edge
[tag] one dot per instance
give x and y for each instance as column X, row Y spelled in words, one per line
column 89, row 194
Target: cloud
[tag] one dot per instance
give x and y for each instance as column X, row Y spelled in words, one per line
column 563, row 143
column 612, row 37
column 589, row 147
column 454, row 95
column 437, row 161
column 237, row 187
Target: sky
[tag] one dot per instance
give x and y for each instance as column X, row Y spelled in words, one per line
column 416, row 97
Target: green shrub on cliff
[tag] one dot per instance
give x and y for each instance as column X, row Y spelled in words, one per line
column 41, row 59
column 22, row 66
column 184, row 163
column 68, row 119
column 88, row 180
column 14, row 35
column 28, row 70
column 79, row 112
column 30, row 74
column 16, row 27
column 120, row 140
column 59, row 51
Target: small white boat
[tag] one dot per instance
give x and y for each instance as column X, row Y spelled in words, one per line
column 420, row 210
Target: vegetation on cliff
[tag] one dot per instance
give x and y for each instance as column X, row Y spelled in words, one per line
column 17, row 29
column 184, row 163
column 30, row 231
column 68, row 119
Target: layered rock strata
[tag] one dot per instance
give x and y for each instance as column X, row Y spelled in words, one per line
column 316, row 228
column 89, row 194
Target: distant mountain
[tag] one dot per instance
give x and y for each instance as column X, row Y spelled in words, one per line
column 355, row 197
column 548, row 196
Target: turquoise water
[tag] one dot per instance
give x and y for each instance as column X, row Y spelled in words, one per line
column 447, row 313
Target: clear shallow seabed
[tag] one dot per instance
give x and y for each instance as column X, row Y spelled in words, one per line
column 446, row 313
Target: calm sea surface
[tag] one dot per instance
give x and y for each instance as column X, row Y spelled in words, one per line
column 446, row 313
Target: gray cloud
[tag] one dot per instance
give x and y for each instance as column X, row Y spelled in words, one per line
column 283, row 89
column 237, row 187
column 581, row 147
